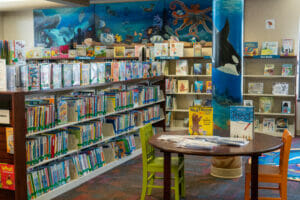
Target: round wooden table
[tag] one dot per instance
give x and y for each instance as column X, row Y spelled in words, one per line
column 261, row 144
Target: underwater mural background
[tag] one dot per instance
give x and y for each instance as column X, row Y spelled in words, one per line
column 147, row 21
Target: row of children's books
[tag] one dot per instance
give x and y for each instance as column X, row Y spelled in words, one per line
column 182, row 68
column 47, row 76
column 47, row 112
column 270, row 125
column 270, row 48
column 266, row 105
column 278, row 88
column 183, row 86
column 13, row 51
column 286, row 70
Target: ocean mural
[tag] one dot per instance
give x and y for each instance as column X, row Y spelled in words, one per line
column 227, row 58
column 130, row 22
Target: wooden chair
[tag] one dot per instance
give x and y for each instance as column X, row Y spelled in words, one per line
column 153, row 165
column 271, row 173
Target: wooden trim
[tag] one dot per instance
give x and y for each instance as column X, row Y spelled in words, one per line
column 73, row 2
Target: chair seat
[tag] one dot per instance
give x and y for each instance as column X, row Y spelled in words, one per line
column 157, row 165
column 266, row 173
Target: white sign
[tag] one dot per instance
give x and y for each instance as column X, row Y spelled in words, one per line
column 270, row 24
column 4, row 117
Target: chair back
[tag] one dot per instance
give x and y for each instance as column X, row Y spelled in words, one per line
column 285, row 153
column 147, row 150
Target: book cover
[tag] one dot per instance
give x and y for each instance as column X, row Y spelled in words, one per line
column 280, row 88
column 146, row 70
column 208, row 68
column 72, row 53
column 76, row 71
column 269, row 48
column 80, row 50
column 101, row 72
column 156, row 68
column 115, row 71
column 198, row 86
column 251, row 48
column 197, row 47
column 34, row 77
column 128, row 71
column 197, row 102
column 183, row 86
column 281, row 124
column 85, row 74
column 241, row 122
column 45, row 76
column 108, row 75
column 138, row 50
column 20, row 55
column 269, row 69
column 47, row 53
column 54, row 52
column 119, row 51
column 248, row 102
column 64, row 51
column 11, row 71
column 67, row 75
column 268, row 124
column 200, row 120
column 100, row 51
column 255, row 88
column 287, row 70
column 7, row 174
column 208, row 87
column 9, row 140
column 129, row 53
column 287, row 48
column 3, row 79
column 286, row 107
column 56, row 75
column 122, row 71
column 266, row 104
column 176, row 49
column 161, row 49
column 197, row 68
column 182, row 67
column 90, row 51
column 94, row 73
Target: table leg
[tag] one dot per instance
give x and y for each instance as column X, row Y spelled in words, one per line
column 181, row 174
column 254, row 177
column 167, row 176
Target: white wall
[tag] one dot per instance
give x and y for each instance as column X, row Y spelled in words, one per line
column 1, row 27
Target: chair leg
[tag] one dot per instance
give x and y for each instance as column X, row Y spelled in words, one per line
column 176, row 185
column 247, row 187
column 151, row 183
column 182, row 185
column 144, row 190
column 283, row 190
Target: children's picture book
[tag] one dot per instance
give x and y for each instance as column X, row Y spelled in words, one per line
column 7, row 176
column 122, row 71
column 161, row 49
column 269, row 48
column 138, row 50
column 81, row 50
column 287, row 48
column 9, row 131
column 100, row 51
column 101, row 72
column 34, row 77
column 64, row 51
column 3, row 79
column 201, row 120
column 281, row 124
column 251, row 48
column 47, row 53
column 67, row 75
column 208, row 68
column 208, row 87
column 129, row 53
column 54, row 52
column 85, row 74
column 255, row 88
column 183, row 86
column 197, row 68
column 115, row 71
column 119, row 51
column 182, row 67
column 197, row 49
column 20, row 53
column 269, row 69
column 76, row 74
column 72, row 53
column 197, row 102
column 266, row 104
column 286, row 107
column 94, row 73
column 241, row 122
column 128, row 71
column 176, row 49
column 108, row 74
column 57, row 76
column 198, row 86
column 280, row 88
column 45, row 76
column 287, row 70
column 248, row 102
column 90, row 51
column 268, row 124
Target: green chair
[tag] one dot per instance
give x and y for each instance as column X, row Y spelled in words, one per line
column 153, row 165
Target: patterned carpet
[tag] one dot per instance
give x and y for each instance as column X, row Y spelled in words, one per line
column 125, row 183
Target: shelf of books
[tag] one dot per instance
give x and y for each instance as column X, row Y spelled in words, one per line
column 270, row 86
column 66, row 123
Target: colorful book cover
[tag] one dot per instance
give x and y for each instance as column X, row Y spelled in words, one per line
column 287, row 70
column 156, row 68
column 200, row 120
column 72, row 53
column 90, row 51
column 119, row 51
column 176, row 49
column 108, row 74
column 64, row 51
column 161, row 49
column 7, row 174
column 281, row 124
column 280, row 88
column 129, row 53
column 56, row 75
column 183, row 86
column 101, row 72
column 269, row 69
column 197, row 102
column 269, row 48
column 122, row 71
column 55, row 52
column 47, row 53
column 286, row 107
column 287, row 48
column 138, row 50
column 208, row 68
column 20, row 54
column 146, row 70
column 85, row 74
column 248, row 102
column 197, row 68
column 76, row 74
column 3, row 79
column 251, row 48
column 255, row 88
column 80, row 50
column 182, row 67
column 94, row 73
column 241, row 122
column 198, row 86
column 23, row 76
column 115, row 71
column 62, row 112
column 34, row 77
column 45, row 76
column 100, row 51
column 268, row 124
column 208, row 87
column 128, row 71
column 9, row 140
column 266, row 104
column 197, row 47
column 67, row 75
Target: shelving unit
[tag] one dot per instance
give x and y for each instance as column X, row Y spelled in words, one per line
column 254, row 72
column 15, row 102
